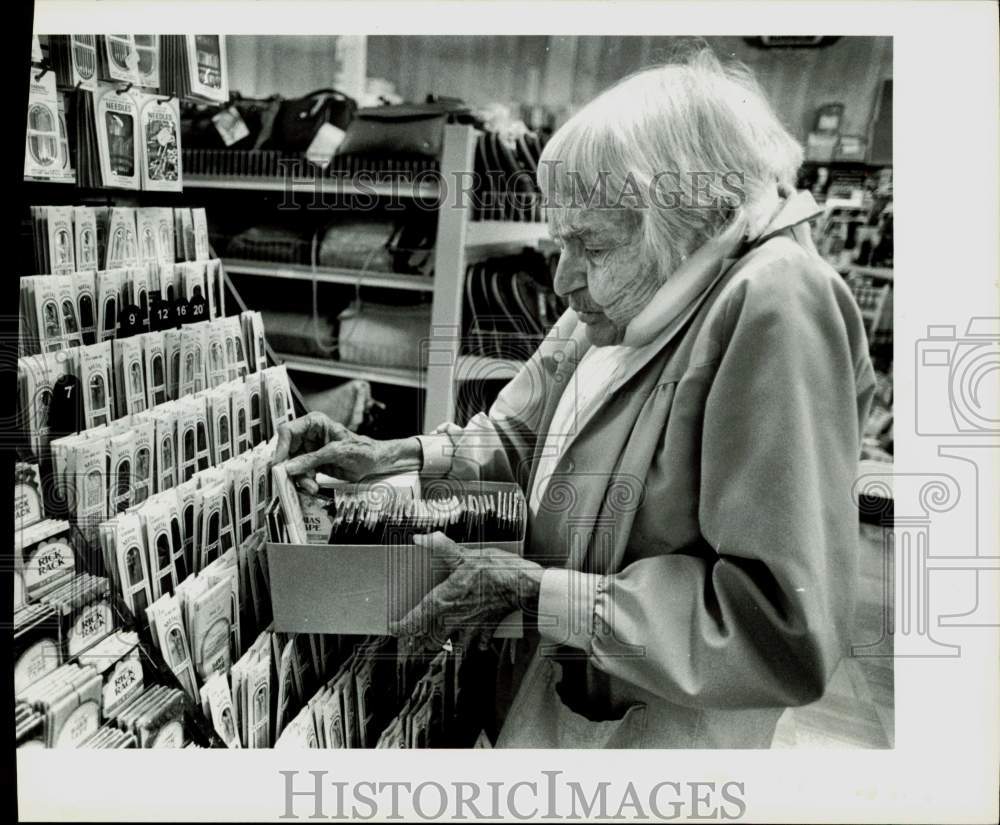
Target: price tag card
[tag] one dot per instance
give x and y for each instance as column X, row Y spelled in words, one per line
column 162, row 314
column 182, row 313
column 230, row 126
column 130, row 321
column 197, row 310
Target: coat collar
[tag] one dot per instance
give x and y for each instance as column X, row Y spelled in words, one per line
column 777, row 212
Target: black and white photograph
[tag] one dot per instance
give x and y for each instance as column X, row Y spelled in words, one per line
column 513, row 378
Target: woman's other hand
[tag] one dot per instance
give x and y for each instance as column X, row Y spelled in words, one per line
column 316, row 443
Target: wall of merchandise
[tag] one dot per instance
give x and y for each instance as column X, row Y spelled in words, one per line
column 152, row 607
column 146, row 421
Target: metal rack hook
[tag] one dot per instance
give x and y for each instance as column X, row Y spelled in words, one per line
column 121, row 91
column 46, row 68
column 166, row 99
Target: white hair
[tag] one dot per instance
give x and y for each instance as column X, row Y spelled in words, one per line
column 697, row 140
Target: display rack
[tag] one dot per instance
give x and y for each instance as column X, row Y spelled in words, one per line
column 462, row 236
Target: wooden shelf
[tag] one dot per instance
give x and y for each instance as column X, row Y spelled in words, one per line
column 321, row 185
column 341, row 369
column 879, row 272
column 329, row 275
column 882, row 471
column 495, row 233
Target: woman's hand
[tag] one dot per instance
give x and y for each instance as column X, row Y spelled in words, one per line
column 483, row 587
column 316, row 443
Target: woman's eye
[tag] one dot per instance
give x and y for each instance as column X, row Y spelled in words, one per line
column 593, row 253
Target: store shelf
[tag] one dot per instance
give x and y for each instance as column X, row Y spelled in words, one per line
column 329, row 275
column 320, row 185
column 880, row 272
column 490, row 233
column 469, row 368
column 485, row 368
column 342, row 369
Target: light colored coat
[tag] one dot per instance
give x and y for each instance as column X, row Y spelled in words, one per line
column 700, row 527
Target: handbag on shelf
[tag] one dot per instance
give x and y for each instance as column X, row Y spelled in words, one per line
column 381, row 335
column 271, row 242
column 405, row 130
column 299, row 120
column 377, row 245
column 199, row 130
column 509, row 305
column 300, row 333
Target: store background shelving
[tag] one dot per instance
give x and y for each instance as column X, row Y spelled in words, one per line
column 463, row 234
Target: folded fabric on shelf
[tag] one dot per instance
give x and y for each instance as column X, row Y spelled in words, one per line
column 271, row 242
column 383, row 335
column 300, row 333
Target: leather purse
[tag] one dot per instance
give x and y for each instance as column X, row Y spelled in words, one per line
column 198, row 131
column 409, row 130
column 299, row 120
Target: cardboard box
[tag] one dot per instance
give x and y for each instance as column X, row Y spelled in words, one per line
column 360, row 588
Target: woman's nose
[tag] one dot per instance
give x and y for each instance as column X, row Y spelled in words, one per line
column 571, row 273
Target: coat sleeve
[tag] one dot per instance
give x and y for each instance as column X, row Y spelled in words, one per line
column 499, row 445
column 756, row 613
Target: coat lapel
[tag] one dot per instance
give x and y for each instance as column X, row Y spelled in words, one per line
column 589, row 524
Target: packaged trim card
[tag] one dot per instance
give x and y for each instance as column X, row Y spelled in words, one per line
column 144, row 435
column 154, row 359
column 187, row 233
column 279, row 397
column 119, row 61
column 137, row 295
column 199, row 223
column 159, row 121
column 145, row 230
column 147, row 47
column 66, row 291
column 42, row 156
column 75, row 57
column 218, row 373
column 166, row 449
column 133, row 572
column 48, row 318
column 192, row 359
column 121, row 452
column 60, row 239
column 173, row 643
column 130, row 380
column 165, row 233
column 253, row 328
column 36, row 375
column 89, row 479
column 241, row 479
column 172, row 346
column 220, row 703
column 161, row 552
column 122, row 249
column 236, row 359
column 186, row 493
column 117, row 120
column 220, row 425
column 109, row 300
column 206, row 65
column 65, row 173
column 240, row 418
column 86, row 304
column 210, row 632
column 187, row 448
column 96, row 385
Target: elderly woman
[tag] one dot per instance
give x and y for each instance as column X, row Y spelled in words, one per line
column 686, row 436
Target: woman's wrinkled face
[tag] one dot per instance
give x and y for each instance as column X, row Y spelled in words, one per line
column 602, row 271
